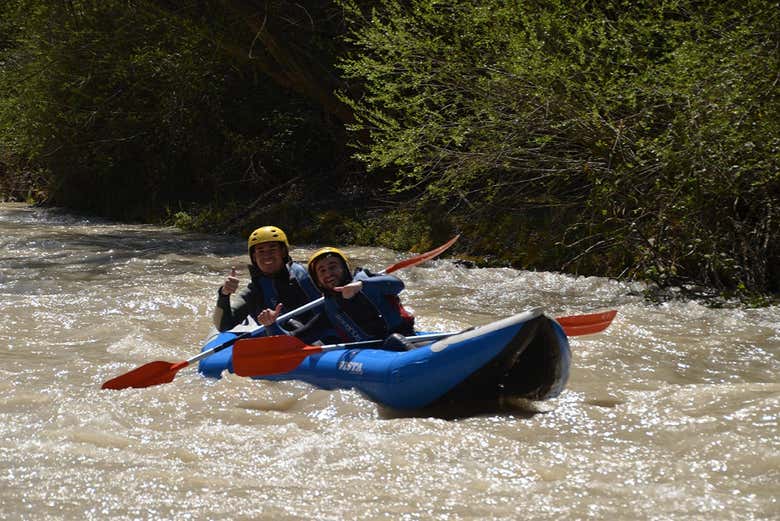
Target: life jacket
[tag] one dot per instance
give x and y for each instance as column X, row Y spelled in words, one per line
column 372, row 313
column 301, row 275
column 298, row 278
column 406, row 327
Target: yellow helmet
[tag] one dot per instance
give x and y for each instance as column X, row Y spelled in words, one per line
column 267, row 234
column 322, row 252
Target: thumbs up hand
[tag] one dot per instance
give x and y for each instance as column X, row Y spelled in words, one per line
column 268, row 316
column 231, row 283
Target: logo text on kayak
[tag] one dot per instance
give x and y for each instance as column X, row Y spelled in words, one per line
column 351, row 367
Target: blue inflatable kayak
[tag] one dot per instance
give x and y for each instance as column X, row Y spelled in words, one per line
column 523, row 356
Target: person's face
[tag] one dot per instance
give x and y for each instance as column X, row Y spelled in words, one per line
column 269, row 257
column 330, row 272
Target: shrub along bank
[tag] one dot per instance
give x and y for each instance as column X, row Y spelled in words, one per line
column 626, row 139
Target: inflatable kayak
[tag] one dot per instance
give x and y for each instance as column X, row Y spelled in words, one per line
column 522, row 356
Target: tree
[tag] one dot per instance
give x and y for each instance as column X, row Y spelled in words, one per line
column 641, row 138
column 131, row 112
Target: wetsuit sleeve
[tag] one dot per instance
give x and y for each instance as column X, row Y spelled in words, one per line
column 228, row 312
column 382, row 284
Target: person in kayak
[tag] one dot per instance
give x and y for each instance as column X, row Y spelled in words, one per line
column 277, row 285
column 362, row 306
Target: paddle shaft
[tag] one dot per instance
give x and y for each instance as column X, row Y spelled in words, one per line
column 426, row 337
column 282, row 354
column 569, row 330
column 574, row 325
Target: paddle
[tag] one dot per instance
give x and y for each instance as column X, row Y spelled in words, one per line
column 282, row 354
column 575, row 325
column 161, row 372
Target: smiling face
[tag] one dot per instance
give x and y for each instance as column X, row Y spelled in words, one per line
column 330, row 272
column 269, row 257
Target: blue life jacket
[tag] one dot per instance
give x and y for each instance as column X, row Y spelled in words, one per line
column 298, row 277
column 298, row 274
column 375, row 312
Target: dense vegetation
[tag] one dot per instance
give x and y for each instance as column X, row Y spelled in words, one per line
column 630, row 139
column 132, row 110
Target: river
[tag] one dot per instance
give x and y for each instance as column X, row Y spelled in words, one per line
column 671, row 413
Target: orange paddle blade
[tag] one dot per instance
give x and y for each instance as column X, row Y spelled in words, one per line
column 418, row 259
column 586, row 324
column 153, row 373
column 270, row 355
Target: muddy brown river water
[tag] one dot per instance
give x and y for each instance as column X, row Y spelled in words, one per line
column 671, row 413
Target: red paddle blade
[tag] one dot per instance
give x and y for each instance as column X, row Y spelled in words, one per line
column 269, row 355
column 586, row 324
column 153, row 373
column 417, row 259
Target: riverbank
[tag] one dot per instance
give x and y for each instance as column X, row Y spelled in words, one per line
column 510, row 241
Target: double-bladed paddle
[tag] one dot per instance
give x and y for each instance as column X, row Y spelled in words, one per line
column 160, row 372
column 282, row 354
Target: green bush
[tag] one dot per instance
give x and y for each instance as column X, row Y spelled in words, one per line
column 129, row 109
column 645, row 133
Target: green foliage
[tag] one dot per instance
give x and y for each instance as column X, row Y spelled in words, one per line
column 83, row 100
column 199, row 218
column 129, row 110
column 648, row 132
column 616, row 138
